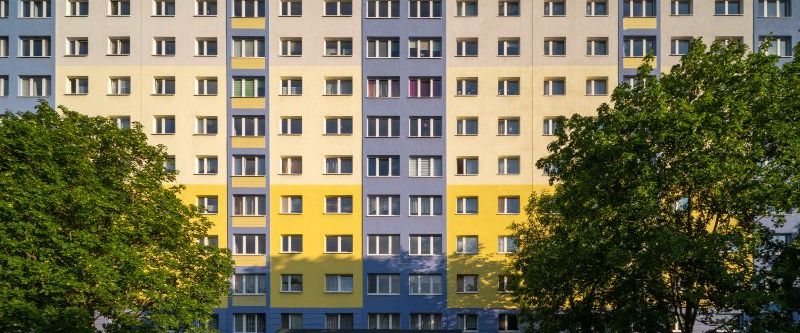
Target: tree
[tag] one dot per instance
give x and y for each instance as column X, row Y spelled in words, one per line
column 657, row 201
column 91, row 227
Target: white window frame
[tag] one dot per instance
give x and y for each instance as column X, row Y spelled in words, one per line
column 163, row 82
column 461, row 283
column 338, row 84
column 431, row 4
column 339, row 247
column 338, row 321
column 741, row 8
column 241, row 320
column 549, row 8
column 389, row 82
column 243, row 5
column 503, row 320
column 203, row 8
column 392, row 43
column 432, row 82
column 674, row 8
column 202, row 47
column 286, row 8
column 550, row 125
column 591, row 46
column 257, row 83
column 376, row 4
column 3, row 85
column 504, row 84
column 240, row 282
column 504, row 47
column 462, row 162
column 291, row 165
column 764, row 4
column 206, row 165
column 420, row 203
column 421, row 250
column 243, row 121
column 74, row 8
column 339, row 285
column 74, row 84
column 203, row 202
column 241, row 46
column 161, row 43
column 644, row 8
column 203, row 85
column 291, row 86
column 289, row 244
column 287, row 126
column 288, row 46
column 160, row 125
column 432, row 123
column 259, row 244
column 378, row 284
column 392, row 159
column 415, row 163
column 3, row 46
column 550, row 46
column 461, row 8
column 506, row 244
column 426, row 321
column 503, row 164
column 390, row 122
column 115, row 88
column 503, row 206
column 32, row 81
column 241, row 161
column 115, row 46
column 390, row 239
column 549, row 86
column 73, row 47
column 782, row 45
column 592, row 87
column 291, row 283
column 591, row 8
column 461, row 126
column 503, row 126
column 339, row 160
column 27, row 43
column 374, row 200
column 246, row 203
column 416, row 43
column 339, row 204
column 461, row 47
column 338, row 8
column 160, row 8
column 462, row 205
column 504, row 8
column 118, row 5
column 340, row 47
column 426, row 284
column 339, row 125
column 291, row 204
column 32, row 8
column 4, row 8
column 462, row 322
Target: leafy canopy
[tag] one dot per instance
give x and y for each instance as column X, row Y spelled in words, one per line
column 91, row 227
column 657, row 201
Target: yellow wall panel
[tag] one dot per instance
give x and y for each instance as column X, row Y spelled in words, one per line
column 248, row 63
column 250, row 260
column 248, row 142
column 250, row 300
column 248, row 181
column 248, row 102
column 249, row 221
column 248, row 23
column 639, row 23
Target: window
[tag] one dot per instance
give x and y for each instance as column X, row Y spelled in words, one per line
column 291, row 8
column 508, row 205
column 508, row 8
column 291, row 283
column 425, row 166
column 638, row 46
column 206, row 47
column 211, row 240
column 338, row 8
column 120, row 85
column 681, row 7
column 383, row 244
column 207, row 165
column 506, row 284
column 467, row 166
column 249, row 205
column 426, row 321
column 424, row 245
column 467, row 47
column 554, row 87
column 507, row 47
column 249, row 244
column 338, row 86
column 248, row 47
column 291, row 204
column 597, row 47
column 339, row 321
column 164, row 124
column 205, row 8
column 467, row 126
column 208, row 204
column 467, row 244
column 467, row 86
column 119, row 46
column 424, row 8
column 596, row 8
column 338, row 244
column 34, row 86
column 383, row 205
column 467, row 8
column 291, row 47
column 339, row 204
column 508, row 126
column 248, row 8
column 383, row 8
column 597, row 87
column 206, row 86
column 164, row 85
column 249, row 323
column 774, row 8
column 507, row 322
column 424, row 87
column 249, row 284
column 338, row 165
column 338, row 126
column 555, row 46
column 680, row 46
column 292, row 244
column 291, row 125
column 508, row 165
column 383, row 284
column 728, row 7
column 638, row 8
column 248, row 87
column 248, row 126
column 34, row 47
column 77, row 7
column 3, row 85
column 467, row 322
column 339, row 47
column 383, row 166
column 388, row 87
column 467, row 283
column 291, row 86
column 726, row 40
column 77, row 85
column 248, row 165
column 507, row 244
column 339, row 283
column 3, row 8
column 424, row 47
column 34, row 8
column 383, row 127
column 383, row 47
column 780, row 46
column 164, row 8
column 119, row 8
column 425, row 205
column 169, row 163
column 164, row 46
column 291, row 165
column 555, row 8
column 76, row 47
column 467, row 205
column 3, row 46
column 508, row 87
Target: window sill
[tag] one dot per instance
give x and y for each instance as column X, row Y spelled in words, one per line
column 162, row 15
column 76, row 15
column 290, row 174
column 249, row 215
column 118, row 55
column 252, row 176
column 33, row 96
column 507, row 213
column 467, row 292
column 209, row 213
column 73, row 56
column 466, row 214
column 337, row 134
column 424, row 177
column 508, row 56
column 383, row 97
column 34, row 57
column 510, row 95
column 162, row 95
column 423, row 58
column 289, row 134
column 291, row 292
column 294, row 215
column 680, row 15
column 774, row 17
column 290, row 95
column 468, row 175
column 118, row 15
column 383, row 176
column 554, row 15
column 338, row 252
column 457, row 95
column 326, row 213
column 162, row 133
column 368, row 294
column 204, row 15
column 338, row 292
column 290, row 15
column 597, row 55
column 335, row 95
column 163, row 55
column 383, row 216
column 205, row 95
column 33, row 18
column 256, row 294
column 249, row 254
column 466, row 56
column 337, row 55
column 425, row 18
column 556, row 55
column 290, row 55
column 508, row 135
column 351, row 15
column 70, row 94
column 596, row 95
column 606, row 15
column 337, row 174
column 205, row 134
column 282, row 252
column 728, row 14
column 205, row 55
column 378, row 18
column 118, row 94
column 383, row 57
column 206, row 174
column 466, row 135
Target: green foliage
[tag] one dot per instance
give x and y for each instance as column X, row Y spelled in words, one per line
column 90, row 226
column 658, row 200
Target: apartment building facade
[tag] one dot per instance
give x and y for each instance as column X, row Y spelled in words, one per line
column 362, row 159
